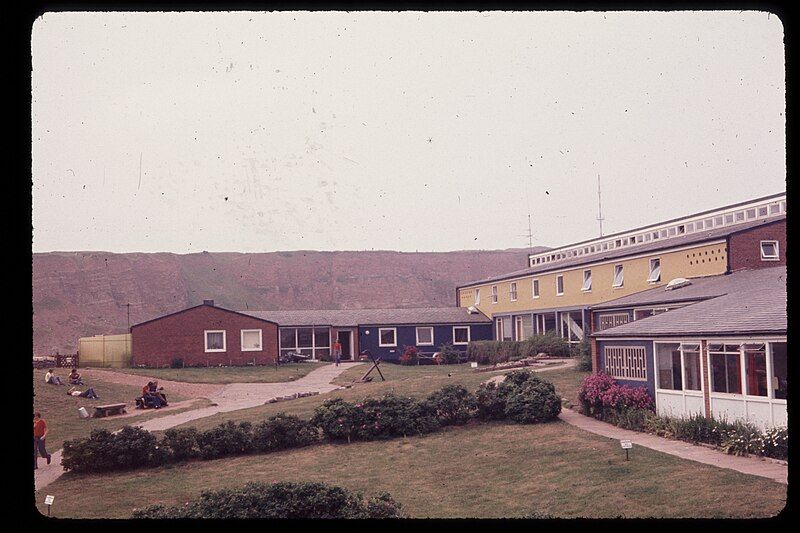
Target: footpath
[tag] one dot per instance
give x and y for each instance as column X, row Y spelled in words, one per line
column 226, row 398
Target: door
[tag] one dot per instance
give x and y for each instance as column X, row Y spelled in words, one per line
column 346, row 340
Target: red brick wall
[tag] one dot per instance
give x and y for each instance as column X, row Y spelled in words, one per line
column 181, row 335
column 744, row 249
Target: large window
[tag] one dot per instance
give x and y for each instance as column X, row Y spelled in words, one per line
column 251, row 340
column 587, row 281
column 726, row 371
column 625, row 362
column 619, row 277
column 460, row 335
column 755, row 368
column 780, row 371
column 387, row 337
column 215, row 340
column 655, row 270
column 314, row 342
column 678, row 366
column 424, row 336
column 513, row 291
column 503, row 329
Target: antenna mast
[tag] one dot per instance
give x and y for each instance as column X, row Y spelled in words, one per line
column 599, row 207
column 530, row 235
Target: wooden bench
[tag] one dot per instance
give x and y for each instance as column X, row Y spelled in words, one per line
column 101, row 411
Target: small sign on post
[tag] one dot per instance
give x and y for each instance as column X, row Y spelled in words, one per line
column 626, row 445
column 48, row 501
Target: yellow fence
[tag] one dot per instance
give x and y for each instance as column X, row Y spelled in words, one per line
column 105, row 350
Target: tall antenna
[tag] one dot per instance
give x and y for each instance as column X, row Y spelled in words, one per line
column 529, row 235
column 599, row 207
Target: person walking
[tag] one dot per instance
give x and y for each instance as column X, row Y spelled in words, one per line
column 39, row 436
column 337, row 352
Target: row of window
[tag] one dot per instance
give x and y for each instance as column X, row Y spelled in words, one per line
column 215, row 340
column 752, row 369
column 618, row 281
column 387, row 337
column 683, row 228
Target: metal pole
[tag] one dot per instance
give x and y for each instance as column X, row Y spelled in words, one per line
column 626, row 454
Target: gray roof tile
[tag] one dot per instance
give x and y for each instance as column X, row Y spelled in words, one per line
column 355, row 317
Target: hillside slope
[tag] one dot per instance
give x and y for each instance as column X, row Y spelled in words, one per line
column 78, row 294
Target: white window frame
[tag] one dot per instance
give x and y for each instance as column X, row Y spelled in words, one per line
column 650, row 277
column 512, row 291
column 380, row 338
column 621, row 276
column 535, row 287
column 477, row 296
column 681, row 344
column 776, row 257
column 586, row 279
column 417, row 333
column 494, row 294
column 560, row 277
column 622, row 367
column 469, row 335
column 224, row 340
column 260, row 340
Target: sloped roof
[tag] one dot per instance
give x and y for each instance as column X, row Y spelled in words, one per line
column 753, row 302
column 618, row 253
column 356, row 317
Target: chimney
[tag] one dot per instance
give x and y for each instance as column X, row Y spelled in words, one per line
column 208, row 302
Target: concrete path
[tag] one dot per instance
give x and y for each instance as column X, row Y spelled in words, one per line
column 227, row 398
column 567, row 363
column 747, row 465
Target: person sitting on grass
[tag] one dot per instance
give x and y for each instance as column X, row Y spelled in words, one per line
column 88, row 393
column 51, row 379
column 75, row 377
column 151, row 399
column 155, row 389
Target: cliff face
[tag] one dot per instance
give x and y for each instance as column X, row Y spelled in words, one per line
column 78, row 294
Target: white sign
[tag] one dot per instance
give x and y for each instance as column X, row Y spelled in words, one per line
column 626, row 444
column 474, row 364
column 48, row 500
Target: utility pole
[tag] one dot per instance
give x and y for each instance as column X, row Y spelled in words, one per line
column 599, row 207
column 129, row 312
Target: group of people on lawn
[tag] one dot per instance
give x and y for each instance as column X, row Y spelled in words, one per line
column 152, row 396
column 74, row 379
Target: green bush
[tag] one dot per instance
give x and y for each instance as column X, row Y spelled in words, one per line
column 337, row 419
column 633, row 418
column 583, row 353
column 281, row 432
column 394, row 416
column 104, row 451
column 532, row 402
column 550, row 343
column 491, row 401
column 448, row 355
column 180, row 443
column 775, row 443
column 279, row 500
column 493, row 352
column 226, row 439
column 453, row 405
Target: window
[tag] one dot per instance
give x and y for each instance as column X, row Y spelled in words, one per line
column 774, row 209
column 708, row 223
column 739, row 216
column 314, row 342
column 215, row 340
column 751, row 213
column 251, row 340
column 672, row 231
column 587, row 281
column 655, row 270
column 424, row 336
column 387, row 337
column 755, row 368
column 460, row 335
column 536, row 288
column 769, row 251
column 726, row 373
column 678, row 366
column 494, row 294
column 619, row 277
column 513, row 291
column 612, row 320
column 762, row 211
column 718, row 221
column 780, row 371
column 681, row 229
column 625, row 362
column 698, row 225
column 690, row 227
column 559, row 285
column 477, row 296
column 729, row 218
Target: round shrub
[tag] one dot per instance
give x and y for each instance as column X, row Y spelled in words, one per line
column 394, row 416
column 279, row 500
column 534, row 401
column 337, row 419
column 490, row 399
column 180, row 443
column 104, row 451
column 453, row 404
column 226, row 439
column 283, row 431
column 448, row 355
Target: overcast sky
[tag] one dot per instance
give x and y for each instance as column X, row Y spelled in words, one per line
column 258, row 132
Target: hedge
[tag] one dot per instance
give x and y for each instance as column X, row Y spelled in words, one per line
column 279, row 500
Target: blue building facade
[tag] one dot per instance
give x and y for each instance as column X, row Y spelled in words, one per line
column 388, row 341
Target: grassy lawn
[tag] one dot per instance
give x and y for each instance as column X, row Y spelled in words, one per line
column 61, row 411
column 228, row 374
column 492, row 470
column 416, row 381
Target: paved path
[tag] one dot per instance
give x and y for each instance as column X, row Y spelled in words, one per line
column 227, row 398
column 567, row 363
column 747, row 465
